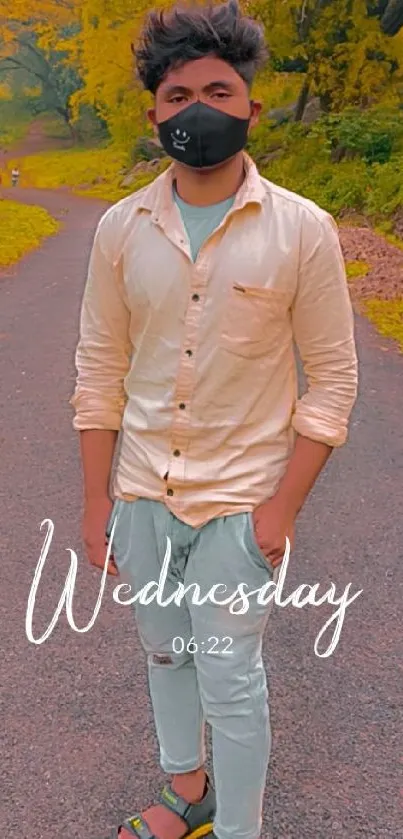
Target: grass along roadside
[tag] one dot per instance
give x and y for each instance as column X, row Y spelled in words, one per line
column 10, row 134
column 385, row 231
column 385, row 315
column 80, row 169
column 95, row 172
column 343, row 189
column 355, row 269
column 22, row 228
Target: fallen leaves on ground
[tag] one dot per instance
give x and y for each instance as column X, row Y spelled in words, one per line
column 377, row 292
column 22, row 228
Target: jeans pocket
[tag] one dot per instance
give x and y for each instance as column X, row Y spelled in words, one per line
column 256, row 551
column 113, row 516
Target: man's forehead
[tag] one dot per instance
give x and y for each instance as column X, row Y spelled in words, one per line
column 202, row 70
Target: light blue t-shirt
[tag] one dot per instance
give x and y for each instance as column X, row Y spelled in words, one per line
column 200, row 222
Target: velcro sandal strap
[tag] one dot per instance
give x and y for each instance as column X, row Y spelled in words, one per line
column 194, row 815
column 138, row 827
column 174, row 802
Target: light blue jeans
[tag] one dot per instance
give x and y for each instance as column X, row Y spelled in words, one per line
column 205, row 663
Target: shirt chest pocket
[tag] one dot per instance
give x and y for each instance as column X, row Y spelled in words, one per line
column 254, row 320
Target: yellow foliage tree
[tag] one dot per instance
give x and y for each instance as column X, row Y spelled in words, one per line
column 5, row 92
column 351, row 60
column 101, row 50
column 28, row 31
column 32, row 92
column 345, row 54
column 336, row 49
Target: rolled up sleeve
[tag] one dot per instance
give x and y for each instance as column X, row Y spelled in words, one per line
column 103, row 352
column 323, row 326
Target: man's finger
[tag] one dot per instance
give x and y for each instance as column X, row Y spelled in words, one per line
column 271, row 552
column 276, row 562
column 275, row 557
column 100, row 563
column 97, row 556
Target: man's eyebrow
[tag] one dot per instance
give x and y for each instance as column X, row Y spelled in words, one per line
column 219, row 84
column 172, row 90
column 176, row 88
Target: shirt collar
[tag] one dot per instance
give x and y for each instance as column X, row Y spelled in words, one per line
column 158, row 198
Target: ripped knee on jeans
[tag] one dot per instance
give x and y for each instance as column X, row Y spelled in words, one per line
column 168, row 659
column 161, row 658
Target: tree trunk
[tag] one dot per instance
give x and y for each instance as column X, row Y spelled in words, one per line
column 66, row 114
column 302, row 101
column 392, row 20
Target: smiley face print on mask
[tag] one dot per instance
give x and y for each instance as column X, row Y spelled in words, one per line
column 201, row 136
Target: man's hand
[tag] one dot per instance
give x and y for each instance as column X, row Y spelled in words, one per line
column 96, row 516
column 273, row 523
column 275, row 519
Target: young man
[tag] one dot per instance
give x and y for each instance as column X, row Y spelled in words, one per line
column 197, row 286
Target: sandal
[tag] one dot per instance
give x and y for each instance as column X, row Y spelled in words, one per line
column 198, row 818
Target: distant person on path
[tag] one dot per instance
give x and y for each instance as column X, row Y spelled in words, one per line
column 197, row 286
column 15, row 176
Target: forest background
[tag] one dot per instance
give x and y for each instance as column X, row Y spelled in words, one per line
column 332, row 125
column 332, row 93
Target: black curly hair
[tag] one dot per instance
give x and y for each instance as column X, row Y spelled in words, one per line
column 172, row 38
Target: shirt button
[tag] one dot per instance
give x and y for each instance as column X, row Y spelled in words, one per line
column 182, row 406
column 189, row 353
column 177, row 453
column 170, row 492
column 195, row 297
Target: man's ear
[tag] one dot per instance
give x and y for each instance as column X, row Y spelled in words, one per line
column 255, row 110
column 151, row 116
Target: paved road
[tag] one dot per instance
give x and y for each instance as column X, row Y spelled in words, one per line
column 77, row 745
column 35, row 140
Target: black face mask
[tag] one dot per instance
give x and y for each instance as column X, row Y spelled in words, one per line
column 201, row 136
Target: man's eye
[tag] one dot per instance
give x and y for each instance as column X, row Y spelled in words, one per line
column 221, row 95
column 177, row 99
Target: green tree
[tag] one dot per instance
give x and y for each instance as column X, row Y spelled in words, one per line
column 345, row 49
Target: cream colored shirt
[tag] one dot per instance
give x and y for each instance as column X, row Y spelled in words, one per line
column 194, row 361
